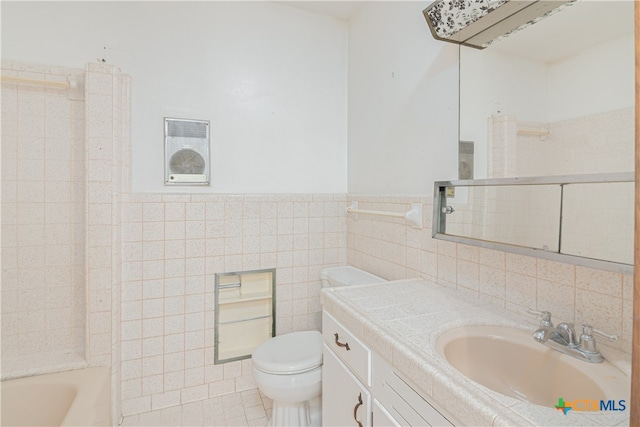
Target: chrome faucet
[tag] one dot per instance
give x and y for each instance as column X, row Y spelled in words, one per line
column 563, row 334
column 563, row 338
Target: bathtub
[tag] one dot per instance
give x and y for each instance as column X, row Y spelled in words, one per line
column 74, row 398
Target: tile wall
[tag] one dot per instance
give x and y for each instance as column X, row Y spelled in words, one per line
column 43, row 222
column 108, row 124
column 62, row 162
column 172, row 247
column 591, row 144
column 597, row 143
column 394, row 250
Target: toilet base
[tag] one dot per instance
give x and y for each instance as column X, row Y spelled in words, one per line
column 303, row 414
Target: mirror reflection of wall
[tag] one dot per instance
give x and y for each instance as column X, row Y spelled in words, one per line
column 465, row 160
column 612, row 209
column 554, row 99
column 520, row 215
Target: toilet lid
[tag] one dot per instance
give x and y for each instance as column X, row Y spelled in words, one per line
column 290, row 353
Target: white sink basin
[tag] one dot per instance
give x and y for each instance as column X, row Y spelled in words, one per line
column 510, row 362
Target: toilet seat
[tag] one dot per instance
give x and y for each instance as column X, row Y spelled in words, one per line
column 289, row 354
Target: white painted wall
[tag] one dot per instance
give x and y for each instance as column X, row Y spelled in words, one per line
column 597, row 80
column 403, row 102
column 270, row 78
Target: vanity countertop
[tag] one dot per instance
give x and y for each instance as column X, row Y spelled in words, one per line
column 402, row 320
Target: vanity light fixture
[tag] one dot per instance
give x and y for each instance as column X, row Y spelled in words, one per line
column 478, row 23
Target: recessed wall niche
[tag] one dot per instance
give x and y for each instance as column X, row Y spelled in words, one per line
column 244, row 313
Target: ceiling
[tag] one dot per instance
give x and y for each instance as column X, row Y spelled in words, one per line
column 558, row 36
column 338, row 9
column 570, row 31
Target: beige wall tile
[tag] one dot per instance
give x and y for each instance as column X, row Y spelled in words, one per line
column 513, row 281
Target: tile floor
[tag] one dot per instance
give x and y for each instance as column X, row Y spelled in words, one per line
column 246, row 408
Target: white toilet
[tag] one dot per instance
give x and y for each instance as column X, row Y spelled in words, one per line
column 288, row 368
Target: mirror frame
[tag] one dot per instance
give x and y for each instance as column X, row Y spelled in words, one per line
column 439, row 203
column 634, row 418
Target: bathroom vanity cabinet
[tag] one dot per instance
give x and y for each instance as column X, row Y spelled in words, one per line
column 361, row 389
column 398, row 326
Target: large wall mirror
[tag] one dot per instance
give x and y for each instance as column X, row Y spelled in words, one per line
column 556, row 98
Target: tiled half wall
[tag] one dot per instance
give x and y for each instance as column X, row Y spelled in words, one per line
column 173, row 245
column 392, row 249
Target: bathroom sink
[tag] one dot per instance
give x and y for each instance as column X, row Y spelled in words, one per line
column 508, row 361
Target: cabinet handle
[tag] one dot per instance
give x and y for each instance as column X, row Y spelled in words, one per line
column 355, row 409
column 339, row 344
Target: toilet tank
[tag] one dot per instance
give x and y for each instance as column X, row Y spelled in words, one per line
column 346, row 276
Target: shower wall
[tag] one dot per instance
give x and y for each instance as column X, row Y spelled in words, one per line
column 43, row 221
column 62, row 182
column 595, row 143
column 108, row 154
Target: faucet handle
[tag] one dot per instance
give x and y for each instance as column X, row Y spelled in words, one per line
column 588, row 341
column 590, row 330
column 545, row 317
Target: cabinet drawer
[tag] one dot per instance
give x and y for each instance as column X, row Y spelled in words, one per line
column 347, row 347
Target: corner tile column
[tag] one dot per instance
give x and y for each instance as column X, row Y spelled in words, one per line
column 107, row 95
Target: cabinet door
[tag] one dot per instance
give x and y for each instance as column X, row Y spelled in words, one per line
column 401, row 400
column 345, row 401
column 381, row 417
